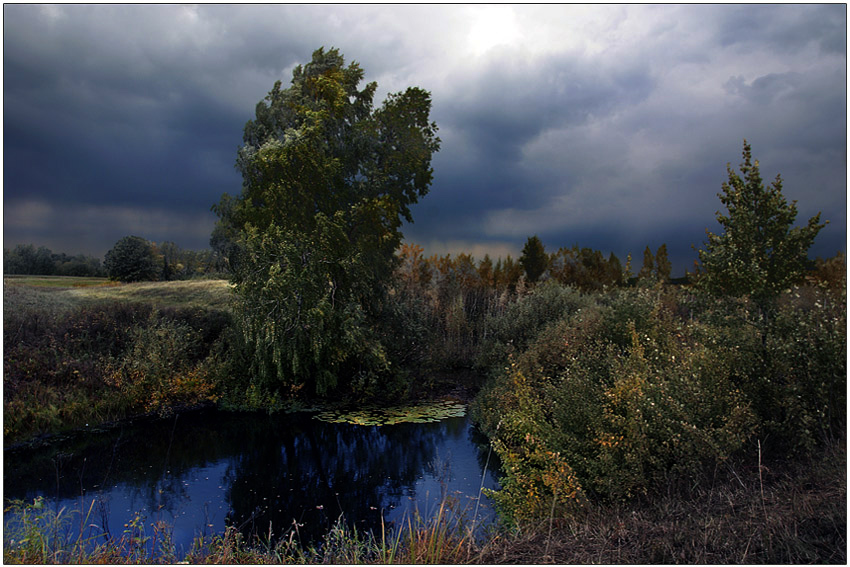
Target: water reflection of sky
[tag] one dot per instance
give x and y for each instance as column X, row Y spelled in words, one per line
column 254, row 470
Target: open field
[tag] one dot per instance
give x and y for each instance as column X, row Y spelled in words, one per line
column 70, row 291
column 59, row 282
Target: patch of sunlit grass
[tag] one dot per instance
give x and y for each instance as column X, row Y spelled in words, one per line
column 55, row 282
column 50, row 292
column 213, row 294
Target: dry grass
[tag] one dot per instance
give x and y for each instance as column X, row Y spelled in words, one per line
column 801, row 518
column 55, row 281
column 211, row 294
column 59, row 292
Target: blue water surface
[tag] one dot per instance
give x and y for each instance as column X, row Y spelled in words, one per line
column 291, row 475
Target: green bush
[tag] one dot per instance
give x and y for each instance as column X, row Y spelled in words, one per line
column 641, row 388
column 131, row 260
column 580, row 412
column 804, row 386
column 516, row 326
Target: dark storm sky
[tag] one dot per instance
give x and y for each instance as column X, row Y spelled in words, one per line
column 608, row 126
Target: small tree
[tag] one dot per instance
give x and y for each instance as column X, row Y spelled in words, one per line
column 663, row 267
column 648, row 267
column 485, row 271
column 167, row 254
column 131, row 260
column 615, row 270
column 534, row 259
column 758, row 254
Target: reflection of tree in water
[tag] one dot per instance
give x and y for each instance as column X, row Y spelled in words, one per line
column 152, row 458
column 313, row 472
column 281, row 467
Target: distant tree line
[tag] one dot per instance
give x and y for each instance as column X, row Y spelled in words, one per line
column 132, row 258
column 41, row 261
column 135, row 259
column 581, row 267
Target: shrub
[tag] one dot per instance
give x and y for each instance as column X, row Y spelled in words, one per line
column 791, row 366
column 513, row 329
column 803, row 395
column 164, row 366
column 668, row 412
column 579, row 412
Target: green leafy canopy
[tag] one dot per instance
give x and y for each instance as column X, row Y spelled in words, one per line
column 327, row 182
column 131, row 260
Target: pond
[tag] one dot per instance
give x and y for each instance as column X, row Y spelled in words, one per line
column 202, row 471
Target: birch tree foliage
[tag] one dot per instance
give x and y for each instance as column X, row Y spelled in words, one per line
column 327, row 182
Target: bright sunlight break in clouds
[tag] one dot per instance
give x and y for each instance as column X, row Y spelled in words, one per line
column 492, row 26
column 606, row 126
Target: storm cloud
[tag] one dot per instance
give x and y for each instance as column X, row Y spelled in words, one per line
column 608, row 126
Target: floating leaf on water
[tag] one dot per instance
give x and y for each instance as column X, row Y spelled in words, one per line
column 422, row 413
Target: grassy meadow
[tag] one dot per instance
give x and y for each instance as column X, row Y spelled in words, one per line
column 58, row 282
column 77, row 291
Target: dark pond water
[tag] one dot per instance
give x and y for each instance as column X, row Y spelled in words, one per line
column 202, row 471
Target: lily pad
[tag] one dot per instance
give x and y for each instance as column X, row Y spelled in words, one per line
column 420, row 413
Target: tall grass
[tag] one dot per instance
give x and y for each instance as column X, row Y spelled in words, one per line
column 38, row 535
column 207, row 294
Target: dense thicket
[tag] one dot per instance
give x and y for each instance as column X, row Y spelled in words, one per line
column 614, row 394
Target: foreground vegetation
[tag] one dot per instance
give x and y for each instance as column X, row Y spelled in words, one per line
column 620, row 393
column 83, row 352
column 747, row 512
column 743, row 462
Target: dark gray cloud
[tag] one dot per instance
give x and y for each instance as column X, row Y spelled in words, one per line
column 603, row 126
column 784, row 29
